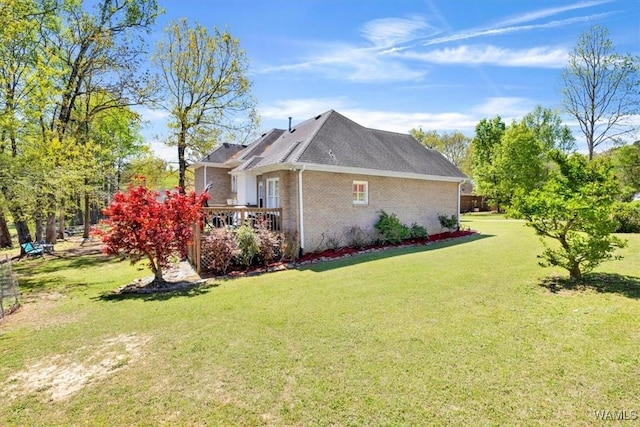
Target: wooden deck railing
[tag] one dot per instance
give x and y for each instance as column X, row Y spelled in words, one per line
column 230, row 217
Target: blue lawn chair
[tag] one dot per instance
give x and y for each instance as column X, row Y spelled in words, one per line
column 32, row 251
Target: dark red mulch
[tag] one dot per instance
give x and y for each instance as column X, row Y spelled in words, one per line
column 338, row 253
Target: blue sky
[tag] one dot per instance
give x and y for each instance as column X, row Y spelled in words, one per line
column 395, row 65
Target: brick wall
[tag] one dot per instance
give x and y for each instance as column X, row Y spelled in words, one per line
column 221, row 180
column 288, row 197
column 329, row 208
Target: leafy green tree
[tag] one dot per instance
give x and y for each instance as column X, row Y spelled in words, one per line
column 574, row 208
column 483, row 147
column 626, row 160
column 548, row 129
column 517, row 163
column 205, row 88
column 454, row 146
column 154, row 170
column 601, row 88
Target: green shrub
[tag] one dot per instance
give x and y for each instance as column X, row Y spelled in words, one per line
column 392, row 230
column 627, row 217
column 417, row 231
column 248, row 243
column 450, row 223
column 221, row 249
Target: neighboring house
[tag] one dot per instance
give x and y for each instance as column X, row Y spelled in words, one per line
column 471, row 202
column 328, row 174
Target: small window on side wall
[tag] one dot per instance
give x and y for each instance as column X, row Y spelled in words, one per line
column 360, row 193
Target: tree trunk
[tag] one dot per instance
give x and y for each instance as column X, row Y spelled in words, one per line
column 50, row 229
column 22, row 229
column 39, row 228
column 5, row 236
column 61, row 230
column 182, row 163
column 575, row 273
column 50, row 234
column 87, row 215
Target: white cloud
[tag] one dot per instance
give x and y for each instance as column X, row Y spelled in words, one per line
column 509, row 108
column 502, row 30
column 388, row 32
column 348, row 62
column 299, row 109
column 543, row 56
column 544, row 13
column 149, row 115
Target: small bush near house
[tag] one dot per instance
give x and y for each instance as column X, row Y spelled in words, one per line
column 627, row 217
column 291, row 246
column 450, row 223
column 392, row 230
column 248, row 243
column 221, row 249
column 271, row 244
column 417, row 231
column 357, row 238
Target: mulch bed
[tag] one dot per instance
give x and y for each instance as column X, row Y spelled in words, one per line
column 348, row 251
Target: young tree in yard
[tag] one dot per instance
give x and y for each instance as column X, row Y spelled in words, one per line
column 143, row 227
column 206, row 90
column 601, row 88
column 574, row 207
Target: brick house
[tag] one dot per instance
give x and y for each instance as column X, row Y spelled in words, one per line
column 328, row 174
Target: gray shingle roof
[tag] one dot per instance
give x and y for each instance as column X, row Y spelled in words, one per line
column 334, row 140
column 223, row 153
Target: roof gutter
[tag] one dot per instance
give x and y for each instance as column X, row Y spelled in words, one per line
column 357, row 171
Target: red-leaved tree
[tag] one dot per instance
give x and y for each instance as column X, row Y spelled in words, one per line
column 143, row 225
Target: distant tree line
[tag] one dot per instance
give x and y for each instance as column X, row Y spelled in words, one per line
column 70, row 77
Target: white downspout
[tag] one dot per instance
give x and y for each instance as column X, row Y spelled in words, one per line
column 458, row 202
column 301, row 209
column 205, row 183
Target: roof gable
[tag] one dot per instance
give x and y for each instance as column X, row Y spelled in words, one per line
column 223, row 153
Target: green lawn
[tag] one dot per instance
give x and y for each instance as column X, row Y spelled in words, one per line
column 452, row 334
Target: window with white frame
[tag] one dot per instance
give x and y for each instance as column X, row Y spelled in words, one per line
column 273, row 193
column 234, row 184
column 360, row 193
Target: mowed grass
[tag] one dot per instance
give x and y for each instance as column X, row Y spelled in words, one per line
column 456, row 333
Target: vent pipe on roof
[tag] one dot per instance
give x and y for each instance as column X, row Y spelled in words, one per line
column 290, row 123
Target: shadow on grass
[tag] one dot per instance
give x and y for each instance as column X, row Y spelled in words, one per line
column 190, row 292
column 52, row 264
column 389, row 253
column 612, row 283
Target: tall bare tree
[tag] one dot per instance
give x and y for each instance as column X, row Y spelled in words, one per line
column 601, row 88
column 207, row 92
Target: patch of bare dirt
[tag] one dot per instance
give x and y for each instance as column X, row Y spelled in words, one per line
column 60, row 376
column 181, row 277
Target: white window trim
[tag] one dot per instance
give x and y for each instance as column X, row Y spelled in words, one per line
column 270, row 196
column 366, row 193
